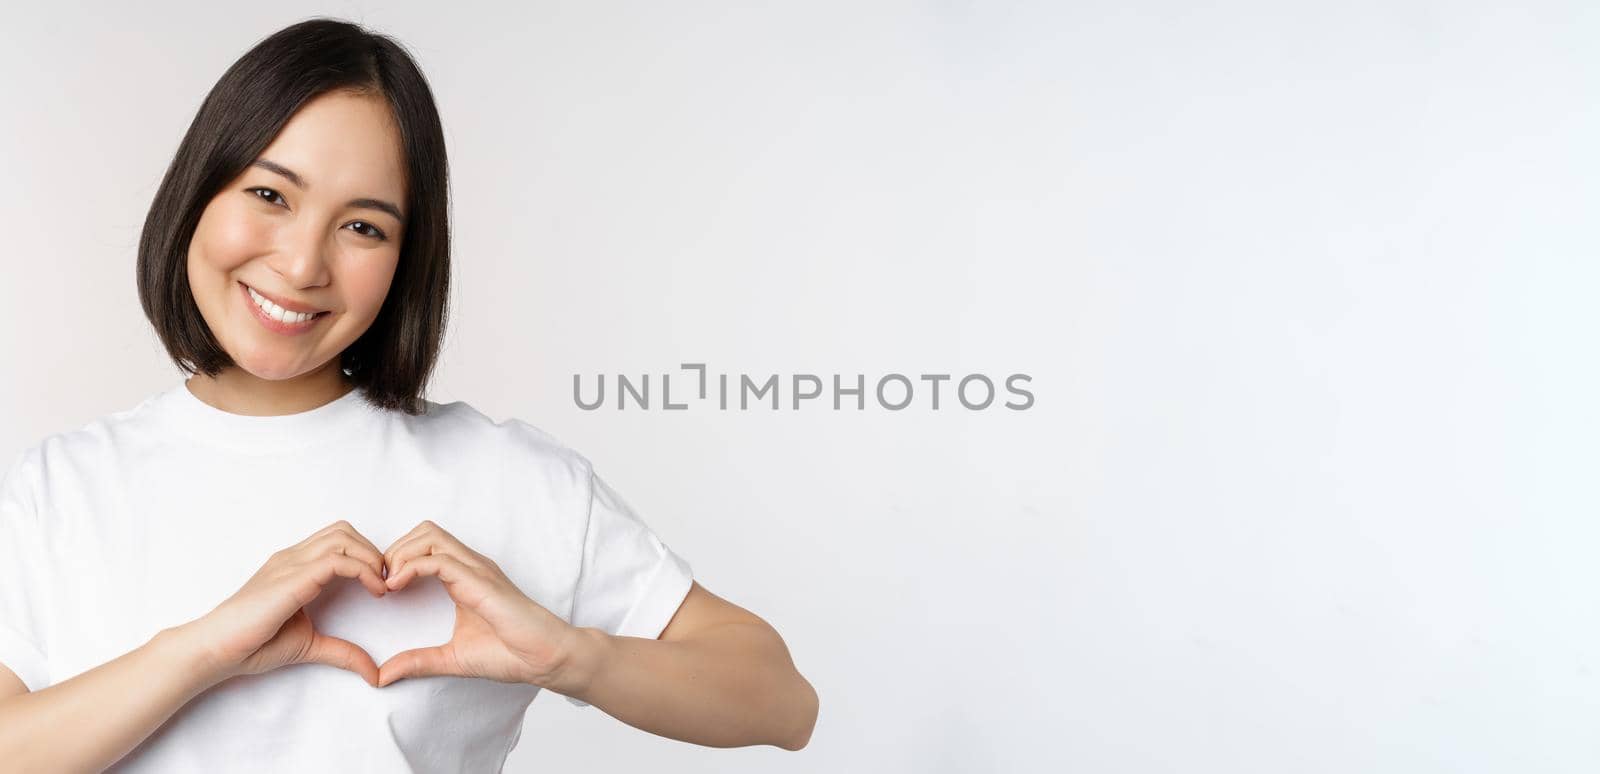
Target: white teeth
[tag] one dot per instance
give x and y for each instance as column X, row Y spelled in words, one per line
column 277, row 312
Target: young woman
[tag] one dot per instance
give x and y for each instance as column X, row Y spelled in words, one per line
column 292, row 561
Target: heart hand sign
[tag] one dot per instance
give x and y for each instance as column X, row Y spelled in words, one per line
column 500, row 633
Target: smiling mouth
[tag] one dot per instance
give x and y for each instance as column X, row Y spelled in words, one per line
column 277, row 313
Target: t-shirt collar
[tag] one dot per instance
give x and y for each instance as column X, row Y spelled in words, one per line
column 204, row 422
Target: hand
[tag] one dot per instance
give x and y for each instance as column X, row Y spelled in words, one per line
column 264, row 625
column 499, row 634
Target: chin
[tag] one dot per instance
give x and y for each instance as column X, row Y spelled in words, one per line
column 266, row 368
column 271, row 375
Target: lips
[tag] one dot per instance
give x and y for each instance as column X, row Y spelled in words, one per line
column 292, row 306
column 274, row 324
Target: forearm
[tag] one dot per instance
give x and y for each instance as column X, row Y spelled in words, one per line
column 731, row 686
column 88, row 722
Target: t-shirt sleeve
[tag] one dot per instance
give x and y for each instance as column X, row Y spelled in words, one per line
column 21, row 626
column 630, row 583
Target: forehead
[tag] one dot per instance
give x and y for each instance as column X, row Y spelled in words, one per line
column 343, row 145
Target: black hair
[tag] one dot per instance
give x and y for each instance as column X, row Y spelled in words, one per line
column 392, row 360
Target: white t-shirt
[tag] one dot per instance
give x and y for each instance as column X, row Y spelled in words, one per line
column 150, row 517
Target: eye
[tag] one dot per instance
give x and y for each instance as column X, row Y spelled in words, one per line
column 375, row 231
column 268, row 198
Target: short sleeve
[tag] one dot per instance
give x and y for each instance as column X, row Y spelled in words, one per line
column 630, row 583
column 21, row 554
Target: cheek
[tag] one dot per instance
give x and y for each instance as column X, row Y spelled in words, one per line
column 366, row 282
column 228, row 237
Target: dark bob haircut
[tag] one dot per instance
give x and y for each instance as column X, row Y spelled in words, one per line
column 392, row 360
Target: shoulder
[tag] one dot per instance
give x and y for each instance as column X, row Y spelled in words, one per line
column 18, row 477
column 68, row 452
column 462, row 427
column 65, row 459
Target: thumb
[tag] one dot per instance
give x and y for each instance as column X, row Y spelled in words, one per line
column 343, row 654
column 418, row 662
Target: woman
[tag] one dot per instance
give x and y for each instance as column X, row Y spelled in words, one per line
column 405, row 576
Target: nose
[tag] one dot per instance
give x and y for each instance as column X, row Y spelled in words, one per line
column 304, row 260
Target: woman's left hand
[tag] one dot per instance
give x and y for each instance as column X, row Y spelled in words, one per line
column 499, row 634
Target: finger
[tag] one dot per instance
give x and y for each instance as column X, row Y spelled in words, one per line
column 342, row 542
column 325, row 530
column 391, row 557
column 429, row 546
column 426, row 530
column 370, row 547
column 343, row 654
column 452, row 545
column 296, row 553
column 445, row 567
column 421, row 527
column 434, row 542
column 330, row 565
column 419, row 662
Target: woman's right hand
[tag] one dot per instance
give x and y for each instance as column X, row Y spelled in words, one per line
column 264, row 625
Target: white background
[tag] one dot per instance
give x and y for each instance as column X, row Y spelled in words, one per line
column 1307, row 292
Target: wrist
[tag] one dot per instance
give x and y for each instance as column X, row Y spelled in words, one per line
column 188, row 647
column 585, row 654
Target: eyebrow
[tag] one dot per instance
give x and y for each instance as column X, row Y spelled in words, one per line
column 300, row 182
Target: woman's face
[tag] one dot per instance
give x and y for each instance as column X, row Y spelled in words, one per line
column 307, row 225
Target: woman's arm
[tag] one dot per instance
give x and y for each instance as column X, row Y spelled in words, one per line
column 88, row 722
column 718, row 676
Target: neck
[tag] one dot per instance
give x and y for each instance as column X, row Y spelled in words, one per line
column 238, row 391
